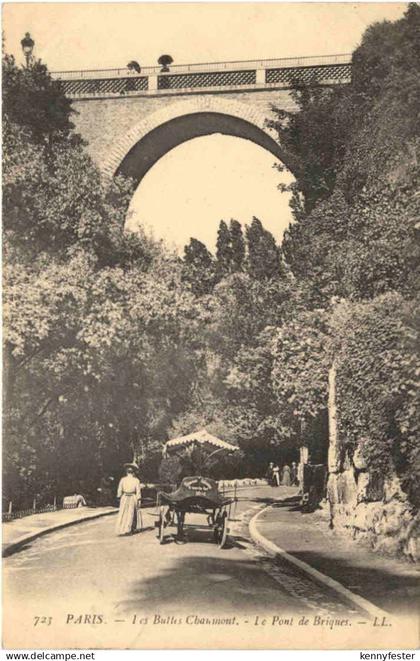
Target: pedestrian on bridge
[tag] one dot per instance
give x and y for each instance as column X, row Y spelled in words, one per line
column 129, row 493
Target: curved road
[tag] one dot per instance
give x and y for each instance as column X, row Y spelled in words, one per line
column 106, row 591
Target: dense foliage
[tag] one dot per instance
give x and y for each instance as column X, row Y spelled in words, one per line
column 357, row 209
column 98, row 327
column 113, row 343
column 375, row 349
column 37, row 102
column 275, row 328
column 356, row 235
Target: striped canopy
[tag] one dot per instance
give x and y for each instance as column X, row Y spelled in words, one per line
column 200, row 438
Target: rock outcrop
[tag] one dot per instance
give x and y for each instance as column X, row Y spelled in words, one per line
column 373, row 510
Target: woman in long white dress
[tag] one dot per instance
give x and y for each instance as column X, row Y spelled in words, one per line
column 129, row 493
column 285, row 476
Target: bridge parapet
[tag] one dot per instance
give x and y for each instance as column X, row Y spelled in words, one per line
column 216, row 77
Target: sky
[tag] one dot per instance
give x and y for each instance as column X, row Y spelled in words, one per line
column 200, row 200
column 213, row 177
column 88, row 35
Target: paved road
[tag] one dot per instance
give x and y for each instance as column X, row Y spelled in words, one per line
column 86, row 578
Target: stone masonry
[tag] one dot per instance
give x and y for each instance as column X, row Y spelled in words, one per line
column 113, row 125
column 130, row 118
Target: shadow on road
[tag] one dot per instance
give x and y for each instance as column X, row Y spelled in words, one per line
column 195, row 535
column 208, row 584
column 292, row 501
column 275, row 502
column 396, row 593
column 145, row 529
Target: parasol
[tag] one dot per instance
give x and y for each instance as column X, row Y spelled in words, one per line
column 202, row 439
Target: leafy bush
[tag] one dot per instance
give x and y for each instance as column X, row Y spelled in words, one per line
column 377, row 394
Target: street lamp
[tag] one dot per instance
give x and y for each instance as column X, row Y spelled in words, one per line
column 27, row 44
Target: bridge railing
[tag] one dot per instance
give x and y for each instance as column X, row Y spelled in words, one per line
column 206, row 67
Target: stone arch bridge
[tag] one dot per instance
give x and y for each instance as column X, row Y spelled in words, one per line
column 131, row 120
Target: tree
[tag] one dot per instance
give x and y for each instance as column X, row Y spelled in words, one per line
column 230, row 248
column 335, row 125
column 90, row 312
column 224, row 251
column 315, row 138
column 374, row 343
column 300, row 365
column 56, row 202
column 76, row 339
column 238, row 245
column 33, row 100
column 241, row 342
column 359, row 241
column 264, row 259
column 199, row 269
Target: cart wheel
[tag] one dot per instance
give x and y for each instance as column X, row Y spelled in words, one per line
column 161, row 527
column 224, row 532
column 220, row 530
column 180, row 534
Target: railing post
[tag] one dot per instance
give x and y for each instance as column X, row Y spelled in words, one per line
column 152, row 82
column 34, row 505
column 55, row 502
column 260, row 77
column 10, row 507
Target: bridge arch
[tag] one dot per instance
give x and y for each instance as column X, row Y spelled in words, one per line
column 146, row 142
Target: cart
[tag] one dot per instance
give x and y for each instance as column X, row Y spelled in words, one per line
column 196, row 494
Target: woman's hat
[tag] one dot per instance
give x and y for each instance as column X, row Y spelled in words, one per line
column 131, row 465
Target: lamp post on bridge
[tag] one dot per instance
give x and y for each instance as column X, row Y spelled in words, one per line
column 27, row 44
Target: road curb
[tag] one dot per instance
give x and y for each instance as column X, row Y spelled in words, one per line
column 14, row 547
column 318, row 576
